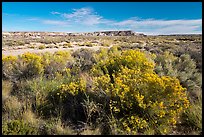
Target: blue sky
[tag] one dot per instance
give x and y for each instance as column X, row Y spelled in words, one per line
column 143, row 17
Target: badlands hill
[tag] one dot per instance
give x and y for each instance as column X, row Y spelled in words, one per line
column 97, row 33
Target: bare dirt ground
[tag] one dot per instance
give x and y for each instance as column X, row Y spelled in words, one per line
column 16, row 52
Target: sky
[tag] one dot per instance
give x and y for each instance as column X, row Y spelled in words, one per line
column 150, row 18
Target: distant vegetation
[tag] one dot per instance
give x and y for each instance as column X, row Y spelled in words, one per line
column 140, row 86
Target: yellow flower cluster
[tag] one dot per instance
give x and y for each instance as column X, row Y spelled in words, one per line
column 61, row 56
column 134, row 123
column 8, row 63
column 73, row 87
column 141, row 90
column 102, row 82
column 161, row 113
column 8, row 59
column 140, row 99
column 132, row 59
column 36, row 64
column 29, row 57
column 34, row 61
column 62, row 53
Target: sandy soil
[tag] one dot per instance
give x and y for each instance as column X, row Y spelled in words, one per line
column 16, row 52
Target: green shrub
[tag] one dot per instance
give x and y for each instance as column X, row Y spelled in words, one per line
column 65, row 102
column 55, row 63
column 84, row 59
column 183, row 67
column 31, row 65
column 18, row 127
column 50, row 46
column 88, row 44
column 67, row 45
column 11, row 43
column 11, row 106
column 31, row 46
column 27, row 65
column 20, row 43
column 192, row 117
column 8, row 63
column 6, row 89
column 105, row 44
column 42, row 47
column 47, row 41
column 56, row 46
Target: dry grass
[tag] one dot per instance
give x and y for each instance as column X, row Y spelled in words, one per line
column 61, row 130
column 6, row 89
column 30, row 117
column 11, row 104
column 91, row 131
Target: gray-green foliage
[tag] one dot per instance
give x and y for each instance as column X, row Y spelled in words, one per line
column 183, row 67
column 192, row 117
column 18, row 127
column 84, row 59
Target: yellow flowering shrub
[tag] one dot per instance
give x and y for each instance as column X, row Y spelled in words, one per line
column 9, row 59
column 56, row 62
column 26, row 65
column 139, row 97
column 65, row 100
column 32, row 64
column 67, row 90
column 130, row 58
column 62, row 54
column 72, row 88
column 8, row 66
column 102, row 55
column 29, row 65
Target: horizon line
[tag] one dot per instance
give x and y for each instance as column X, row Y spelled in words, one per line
column 108, row 30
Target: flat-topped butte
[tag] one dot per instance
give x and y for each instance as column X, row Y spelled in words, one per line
column 97, row 33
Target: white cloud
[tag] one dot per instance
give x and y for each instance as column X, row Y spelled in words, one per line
column 85, row 16
column 178, row 29
column 158, row 26
column 33, row 19
column 86, row 19
column 79, row 13
column 54, row 22
column 147, row 22
column 53, row 12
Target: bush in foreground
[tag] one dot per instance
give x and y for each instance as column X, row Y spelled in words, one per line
column 139, row 98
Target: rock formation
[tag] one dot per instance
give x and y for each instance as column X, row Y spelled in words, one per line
column 54, row 34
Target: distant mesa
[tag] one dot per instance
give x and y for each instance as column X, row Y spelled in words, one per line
column 108, row 33
column 97, row 33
